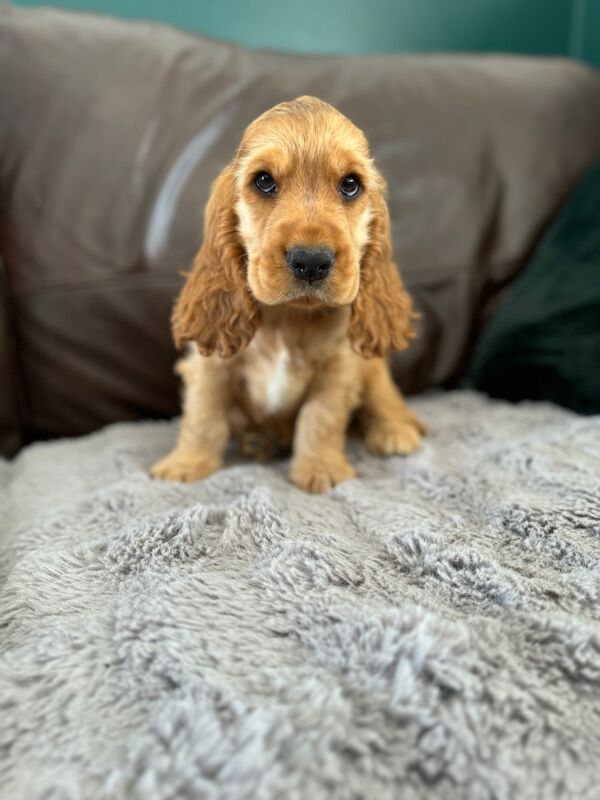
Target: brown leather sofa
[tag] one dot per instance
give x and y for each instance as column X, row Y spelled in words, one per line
column 110, row 134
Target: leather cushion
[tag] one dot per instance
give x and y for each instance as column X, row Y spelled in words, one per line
column 111, row 133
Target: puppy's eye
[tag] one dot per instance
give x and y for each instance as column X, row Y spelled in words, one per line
column 350, row 186
column 265, row 183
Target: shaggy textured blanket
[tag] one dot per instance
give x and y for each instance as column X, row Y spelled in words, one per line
column 429, row 630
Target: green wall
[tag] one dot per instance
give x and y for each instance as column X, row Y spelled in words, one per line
column 568, row 27
column 588, row 47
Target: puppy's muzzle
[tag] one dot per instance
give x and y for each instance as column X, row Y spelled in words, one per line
column 310, row 263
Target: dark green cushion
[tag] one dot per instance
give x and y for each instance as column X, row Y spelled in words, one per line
column 544, row 341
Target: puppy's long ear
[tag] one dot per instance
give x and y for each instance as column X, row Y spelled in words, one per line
column 382, row 314
column 215, row 308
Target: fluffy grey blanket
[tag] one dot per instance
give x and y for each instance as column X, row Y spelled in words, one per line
column 429, row 630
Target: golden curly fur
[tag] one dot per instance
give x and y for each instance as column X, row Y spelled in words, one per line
column 279, row 361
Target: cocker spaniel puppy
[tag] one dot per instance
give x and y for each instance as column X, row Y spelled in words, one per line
column 292, row 303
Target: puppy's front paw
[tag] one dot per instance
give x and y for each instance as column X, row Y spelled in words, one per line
column 185, row 466
column 394, row 437
column 317, row 476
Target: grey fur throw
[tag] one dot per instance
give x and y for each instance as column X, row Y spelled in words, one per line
column 430, row 630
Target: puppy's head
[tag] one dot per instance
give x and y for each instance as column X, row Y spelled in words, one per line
column 297, row 218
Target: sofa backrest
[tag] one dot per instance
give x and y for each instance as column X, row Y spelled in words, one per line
column 111, row 133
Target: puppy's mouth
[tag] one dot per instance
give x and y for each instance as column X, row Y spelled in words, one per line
column 310, row 295
column 307, row 301
column 275, row 284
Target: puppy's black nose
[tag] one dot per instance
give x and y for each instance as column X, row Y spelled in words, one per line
column 310, row 263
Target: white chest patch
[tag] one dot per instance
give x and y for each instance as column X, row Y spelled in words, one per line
column 277, row 395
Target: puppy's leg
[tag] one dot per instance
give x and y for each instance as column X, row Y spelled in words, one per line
column 319, row 461
column 204, row 431
column 389, row 426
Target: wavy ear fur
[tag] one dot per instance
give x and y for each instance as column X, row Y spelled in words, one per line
column 215, row 308
column 382, row 314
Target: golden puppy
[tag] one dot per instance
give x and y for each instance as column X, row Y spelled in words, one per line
column 292, row 302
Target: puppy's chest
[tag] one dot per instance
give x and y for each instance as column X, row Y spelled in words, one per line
column 274, row 378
